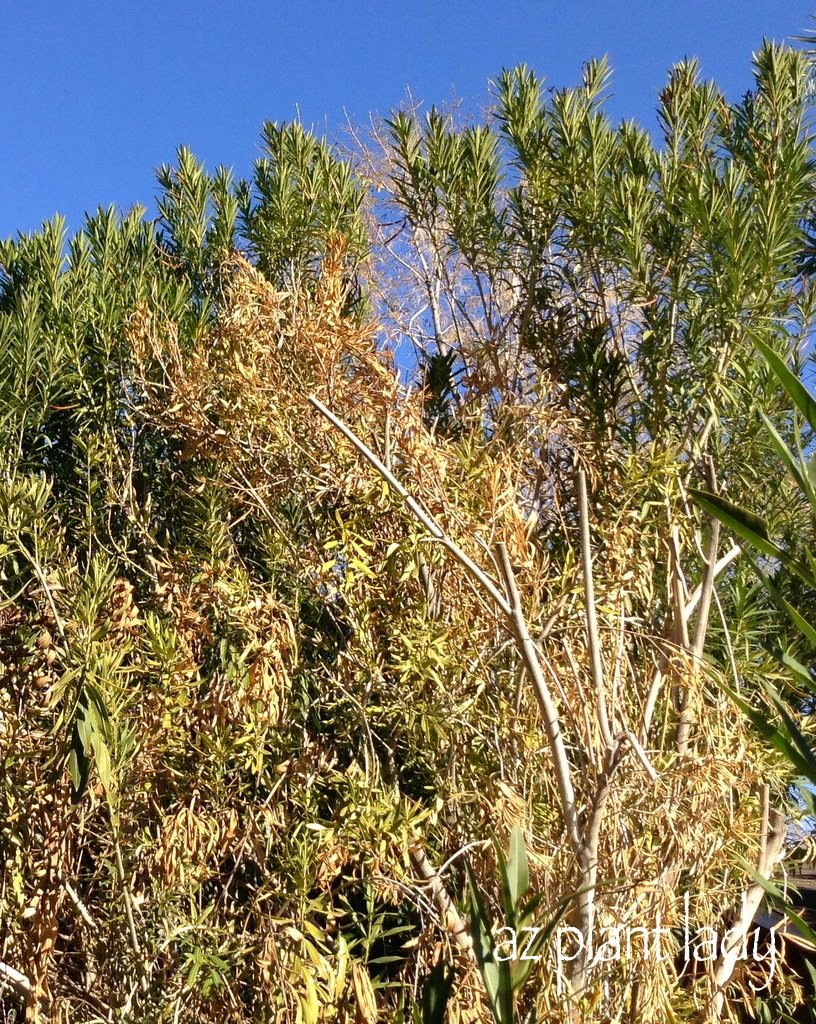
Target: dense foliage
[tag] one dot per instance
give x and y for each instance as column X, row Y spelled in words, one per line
column 344, row 528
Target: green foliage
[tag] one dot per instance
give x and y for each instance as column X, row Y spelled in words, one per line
column 301, row 199
column 787, row 736
column 505, row 976
column 435, row 996
column 239, row 686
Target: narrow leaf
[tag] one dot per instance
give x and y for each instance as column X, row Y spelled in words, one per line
column 751, row 528
column 799, row 394
column 518, row 874
column 436, row 994
column 785, row 606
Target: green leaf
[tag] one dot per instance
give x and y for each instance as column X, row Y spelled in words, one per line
column 492, row 981
column 785, row 606
column 103, row 762
column 507, row 897
column 79, row 766
column 521, row 969
column 798, row 471
column 496, row 976
column 518, row 875
column 797, row 392
column 745, row 524
column 480, row 924
column 74, row 769
column 436, row 994
column 800, row 671
column 778, row 899
column 793, row 732
column 751, row 528
column 801, row 758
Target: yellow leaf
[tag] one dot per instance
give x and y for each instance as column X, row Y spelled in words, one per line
column 314, row 931
column 311, row 1008
column 342, row 966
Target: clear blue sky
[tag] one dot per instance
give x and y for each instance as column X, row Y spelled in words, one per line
column 96, row 95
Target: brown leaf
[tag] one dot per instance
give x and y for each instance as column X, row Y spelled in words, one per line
column 364, row 994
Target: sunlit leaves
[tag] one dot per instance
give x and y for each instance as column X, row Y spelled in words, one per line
column 258, row 680
column 302, row 197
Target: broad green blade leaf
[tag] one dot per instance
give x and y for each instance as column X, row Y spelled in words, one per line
column 479, row 922
column 103, row 762
column 792, row 731
column 798, row 393
column 526, row 913
column 778, row 900
column 532, row 948
column 518, row 875
column 490, row 974
column 751, row 528
column 74, row 769
column 79, row 766
column 800, row 671
column 792, row 464
column 785, row 745
column 436, row 994
column 496, row 976
column 507, row 895
column 785, row 606
column 84, row 729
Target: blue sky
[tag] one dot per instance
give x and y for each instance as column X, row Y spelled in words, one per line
column 96, row 95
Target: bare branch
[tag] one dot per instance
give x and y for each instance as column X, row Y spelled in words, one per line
column 453, row 921
column 17, row 982
column 773, row 829
column 419, row 512
column 593, row 638
column 710, row 569
column 552, row 726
